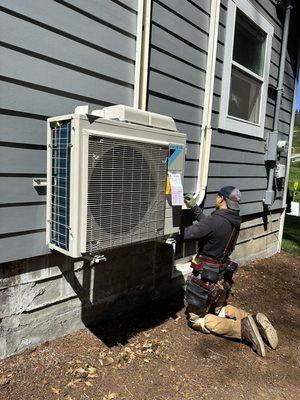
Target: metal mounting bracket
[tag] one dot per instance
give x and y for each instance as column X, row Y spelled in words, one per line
column 96, row 259
column 39, row 182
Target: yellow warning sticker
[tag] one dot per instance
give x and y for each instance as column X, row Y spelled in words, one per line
column 168, row 185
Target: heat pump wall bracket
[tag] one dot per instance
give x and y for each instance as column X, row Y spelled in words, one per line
column 96, row 259
column 39, row 182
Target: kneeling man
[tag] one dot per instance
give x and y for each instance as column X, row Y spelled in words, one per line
column 209, row 286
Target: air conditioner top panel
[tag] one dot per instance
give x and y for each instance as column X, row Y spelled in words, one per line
column 121, row 128
column 133, row 115
column 126, row 114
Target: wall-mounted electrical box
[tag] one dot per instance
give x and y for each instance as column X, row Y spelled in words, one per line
column 106, row 178
column 274, row 147
column 280, row 171
column 271, row 147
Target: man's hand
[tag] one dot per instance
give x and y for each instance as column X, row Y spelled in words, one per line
column 190, row 201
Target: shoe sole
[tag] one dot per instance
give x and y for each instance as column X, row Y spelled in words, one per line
column 260, row 349
column 267, row 330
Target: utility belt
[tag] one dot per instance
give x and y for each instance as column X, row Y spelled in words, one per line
column 211, row 280
column 211, row 270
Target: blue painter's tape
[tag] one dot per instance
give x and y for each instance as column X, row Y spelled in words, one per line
column 174, row 152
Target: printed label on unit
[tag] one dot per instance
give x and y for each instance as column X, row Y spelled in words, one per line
column 176, row 189
column 174, row 152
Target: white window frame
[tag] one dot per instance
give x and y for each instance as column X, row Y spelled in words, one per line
column 227, row 122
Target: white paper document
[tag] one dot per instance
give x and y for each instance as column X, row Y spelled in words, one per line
column 176, row 189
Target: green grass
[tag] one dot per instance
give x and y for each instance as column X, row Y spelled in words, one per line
column 294, row 176
column 294, row 173
column 291, row 235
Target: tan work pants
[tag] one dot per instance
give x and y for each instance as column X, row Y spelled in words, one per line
column 230, row 326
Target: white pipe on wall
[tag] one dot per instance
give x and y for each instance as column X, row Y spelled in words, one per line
column 138, row 53
column 141, row 82
column 206, row 130
column 142, row 54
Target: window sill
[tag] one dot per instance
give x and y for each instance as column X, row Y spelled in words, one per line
column 237, row 125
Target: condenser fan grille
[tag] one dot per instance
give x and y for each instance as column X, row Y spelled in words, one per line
column 60, row 184
column 126, row 199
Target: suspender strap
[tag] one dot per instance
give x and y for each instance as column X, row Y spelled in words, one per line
column 231, row 243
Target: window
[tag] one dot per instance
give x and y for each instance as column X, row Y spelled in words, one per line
column 245, row 70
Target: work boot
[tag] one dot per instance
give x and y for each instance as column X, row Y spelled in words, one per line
column 266, row 330
column 250, row 333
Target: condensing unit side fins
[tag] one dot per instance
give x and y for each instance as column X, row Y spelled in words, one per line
column 60, row 184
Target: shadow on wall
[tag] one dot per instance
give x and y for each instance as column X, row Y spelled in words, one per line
column 46, row 297
column 131, row 276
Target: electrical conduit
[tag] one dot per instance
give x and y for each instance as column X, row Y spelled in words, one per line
column 280, row 89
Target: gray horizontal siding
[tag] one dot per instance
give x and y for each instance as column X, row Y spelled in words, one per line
column 283, row 127
column 244, row 183
column 187, row 10
column 193, row 132
column 246, row 170
column 107, row 12
column 42, row 73
column 165, row 41
column 19, row 188
column 20, row 96
column 22, row 160
column 181, row 69
column 285, row 115
column 238, row 142
column 178, row 110
column 178, row 56
column 57, row 17
column 23, row 245
column 192, row 152
column 181, row 23
column 220, row 170
column 17, row 129
column 55, row 55
column 51, row 46
column 178, row 90
column 21, row 218
column 234, row 155
column 132, row 5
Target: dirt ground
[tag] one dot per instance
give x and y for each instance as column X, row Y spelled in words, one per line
column 152, row 354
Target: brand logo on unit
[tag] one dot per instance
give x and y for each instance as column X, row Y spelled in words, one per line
column 174, row 153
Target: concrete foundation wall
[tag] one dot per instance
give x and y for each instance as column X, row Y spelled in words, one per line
column 46, row 297
column 258, row 239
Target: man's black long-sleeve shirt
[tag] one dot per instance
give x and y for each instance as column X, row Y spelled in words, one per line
column 213, row 231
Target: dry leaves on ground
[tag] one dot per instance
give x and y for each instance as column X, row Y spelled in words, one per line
column 4, row 381
column 110, row 396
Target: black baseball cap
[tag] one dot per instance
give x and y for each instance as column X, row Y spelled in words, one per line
column 232, row 196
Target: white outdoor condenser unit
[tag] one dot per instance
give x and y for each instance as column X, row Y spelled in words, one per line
column 106, row 178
